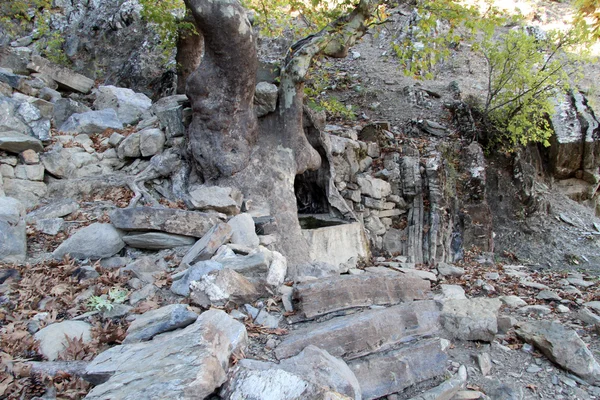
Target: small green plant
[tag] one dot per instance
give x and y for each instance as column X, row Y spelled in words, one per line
column 17, row 15
column 107, row 302
column 50, row 42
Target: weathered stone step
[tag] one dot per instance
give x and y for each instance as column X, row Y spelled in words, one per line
column 361, row 334
column 348, row 291
column 381, row 374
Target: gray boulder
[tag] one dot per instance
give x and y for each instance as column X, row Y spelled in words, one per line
column 130, row 146
column 265, row 98
column 57, row 209
column 152, row 141
column 52, row 339
column 185, row 364
column 561, row 345
column 243, row 230
column 13, row 230
column 92, row 122
column 164, row 319
column 218, row 288
column 208, row 245
column 128, row 104
column 472, row 319
column 64, row 108
column 95, row 241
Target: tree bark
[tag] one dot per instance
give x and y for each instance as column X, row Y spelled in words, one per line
column 190, row 47
column 233, row 148
column 224, row 127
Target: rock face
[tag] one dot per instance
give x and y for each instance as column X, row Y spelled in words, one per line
column 128, row 104
column 13, row 230
column 563, row 346
column 473, row 319
column 95, row 241
column 347, row 291
column 381, row 374
column 179, row 222
column 165, row 319
column 312, row 374
column 186, row 364
column 52, row 338
column 349, row 337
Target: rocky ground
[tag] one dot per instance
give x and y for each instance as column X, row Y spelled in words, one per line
column 111, row 288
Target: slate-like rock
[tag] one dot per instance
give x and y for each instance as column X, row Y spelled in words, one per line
column 15, row 142
column 472, row 319
column 64, row 76
column 450, row 270
column 52, row 338
column 154, row 322
column 92, row 122
column 157, row 240
column 390, row 372
column 337, row 293
column 128, row 104
column 94, row 241
column 354, row 335
column 277, row 270
column 181, row 286
column 146, row 268
column 57, row 209
column 180, row 222
column 218, row 288
column 243, row 230
column 312, row 374
column 186, row 364
column 562, row 346
column 208, row 245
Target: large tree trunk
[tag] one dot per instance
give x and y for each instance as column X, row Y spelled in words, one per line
column 190, row 47
column 262, row 158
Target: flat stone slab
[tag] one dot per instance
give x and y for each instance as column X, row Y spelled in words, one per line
column 208, row 245
column 164, row 319
column 347, row 291
column 64, row 76
column 180, row 222
column 357, row 335
column 562, row 346
column 188, row 363
column 16, row 142
column 381, row 374
column 157, row 240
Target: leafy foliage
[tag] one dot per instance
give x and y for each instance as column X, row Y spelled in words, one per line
column 169, row 19
column 276, row 16
column 589, row 9
column 525, row 72
column 16, row 15
column 107, row 302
